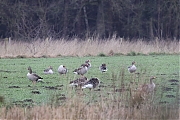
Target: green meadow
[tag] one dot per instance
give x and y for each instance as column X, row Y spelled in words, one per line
column 16, row 87
column 17, row 90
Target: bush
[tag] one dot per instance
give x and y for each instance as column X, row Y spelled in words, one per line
column 102, row 55
column 132, row 53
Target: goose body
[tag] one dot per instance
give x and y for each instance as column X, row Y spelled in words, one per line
column 62, row 69
column 132, row 68
column 81, row 70
column 92, row 83
column 88, row 64
column 78, row 82
column 32, row 76
column 149, row 87
column 49, row 70
column 103, row 68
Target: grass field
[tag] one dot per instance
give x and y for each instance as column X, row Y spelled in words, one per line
column 113, row 93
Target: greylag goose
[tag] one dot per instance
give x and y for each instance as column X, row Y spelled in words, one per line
column 88, row 63
column 149, row 87
column 62, row 70
column 92, row 83
column 132, row 68
column 32, row 76
column 81, row 70
column 49, row 70
column 142, row 93
column 103, row 68
column 78, row 82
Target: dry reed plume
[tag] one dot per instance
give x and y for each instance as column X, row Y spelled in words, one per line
column 91, row 46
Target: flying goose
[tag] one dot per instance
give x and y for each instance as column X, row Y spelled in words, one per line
column 103, row 68
column 32, row 76
column 81, row 70
column 49, row 70
column 132, row 68
column 92, row 83
column 62, row 70
column 78, row 82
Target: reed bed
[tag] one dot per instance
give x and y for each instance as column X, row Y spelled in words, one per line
column 89, row 47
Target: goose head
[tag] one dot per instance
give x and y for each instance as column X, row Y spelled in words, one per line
column 30, row 70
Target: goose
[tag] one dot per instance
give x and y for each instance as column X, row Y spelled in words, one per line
column 32, row 76
column 149, row 87
column 78, row 82
column 62, row 70
column 142, row 93
column 103, row 68
column 132, row 68
column 92, row 83
column 81, row 70
column 88, row 63
column 49, row 70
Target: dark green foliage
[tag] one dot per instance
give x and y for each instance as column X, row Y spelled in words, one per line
column 132, row 53
column 21, row 56
column 101, row 55
column 1, row 99
column 154, row 53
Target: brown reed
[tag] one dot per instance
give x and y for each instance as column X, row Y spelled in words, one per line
column 89, row 47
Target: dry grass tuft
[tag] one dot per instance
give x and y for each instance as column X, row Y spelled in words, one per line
column 89, row 47
column 76, row 109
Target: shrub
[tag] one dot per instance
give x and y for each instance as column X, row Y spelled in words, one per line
column 102, row 55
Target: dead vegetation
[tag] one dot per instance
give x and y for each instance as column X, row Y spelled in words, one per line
column 77, row 109
column 89, row 47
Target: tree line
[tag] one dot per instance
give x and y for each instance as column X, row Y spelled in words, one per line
column 27, row 19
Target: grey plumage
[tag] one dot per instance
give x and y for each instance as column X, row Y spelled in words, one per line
column 103, row 68
column 132, row 68
column 49, row 70
column 78, row 82
column 81, row 70
column 62, row 69
column 32, row 76
column 92, row 83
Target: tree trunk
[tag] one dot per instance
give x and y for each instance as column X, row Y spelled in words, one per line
column 77, row 21
column 100, row 20
column 151, row 29
column 109, row 18
column 65, row 17
column 86, row 22
column 158, row 22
